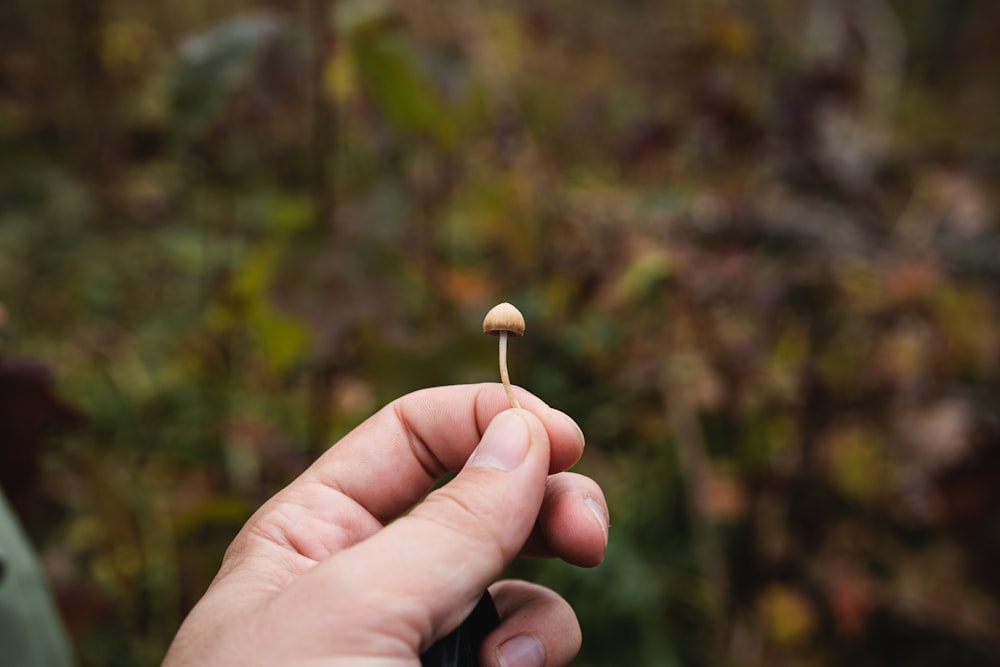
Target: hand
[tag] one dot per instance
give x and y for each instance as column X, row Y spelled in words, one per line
column 319, row 575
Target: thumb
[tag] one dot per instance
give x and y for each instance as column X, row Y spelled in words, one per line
column 479, row 522
column 426, row 571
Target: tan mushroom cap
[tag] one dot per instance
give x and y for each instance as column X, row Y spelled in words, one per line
column 503, row 317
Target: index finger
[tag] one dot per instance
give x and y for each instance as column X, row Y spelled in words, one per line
column 393, row 459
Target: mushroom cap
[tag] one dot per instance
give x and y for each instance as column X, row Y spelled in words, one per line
column 503, row 317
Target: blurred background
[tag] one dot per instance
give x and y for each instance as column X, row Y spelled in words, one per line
column 755, row 243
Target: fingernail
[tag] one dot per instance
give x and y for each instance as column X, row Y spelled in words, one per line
column 505, row 443
column 602, row 517
column 521, row 651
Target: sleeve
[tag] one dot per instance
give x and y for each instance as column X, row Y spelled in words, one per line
column 31, row 634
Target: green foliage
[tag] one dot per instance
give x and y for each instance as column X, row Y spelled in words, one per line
column 755, row 246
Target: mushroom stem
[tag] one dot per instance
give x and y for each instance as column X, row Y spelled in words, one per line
column 504, row 375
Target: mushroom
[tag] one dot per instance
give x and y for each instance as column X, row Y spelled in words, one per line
column 504, row 319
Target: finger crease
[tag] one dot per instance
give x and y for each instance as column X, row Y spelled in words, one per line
column 424, row 455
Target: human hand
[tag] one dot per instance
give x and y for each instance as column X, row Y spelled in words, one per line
column 319, row 575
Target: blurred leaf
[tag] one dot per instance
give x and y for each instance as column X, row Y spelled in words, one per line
column 283, row 340
column 857, row 463
column 219, row 62
column 645, row 273
column 351, row 16
column 386, row 64
column 787, row 614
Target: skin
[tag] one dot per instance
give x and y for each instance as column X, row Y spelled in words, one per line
column 355, row 563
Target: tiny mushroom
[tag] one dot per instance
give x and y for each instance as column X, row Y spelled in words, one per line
column 504, row 319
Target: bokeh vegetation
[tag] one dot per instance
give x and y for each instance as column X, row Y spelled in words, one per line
column 755, row 243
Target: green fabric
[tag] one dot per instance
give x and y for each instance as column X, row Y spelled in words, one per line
column 30, row 631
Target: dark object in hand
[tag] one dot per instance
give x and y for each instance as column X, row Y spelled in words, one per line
column 460, row 648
